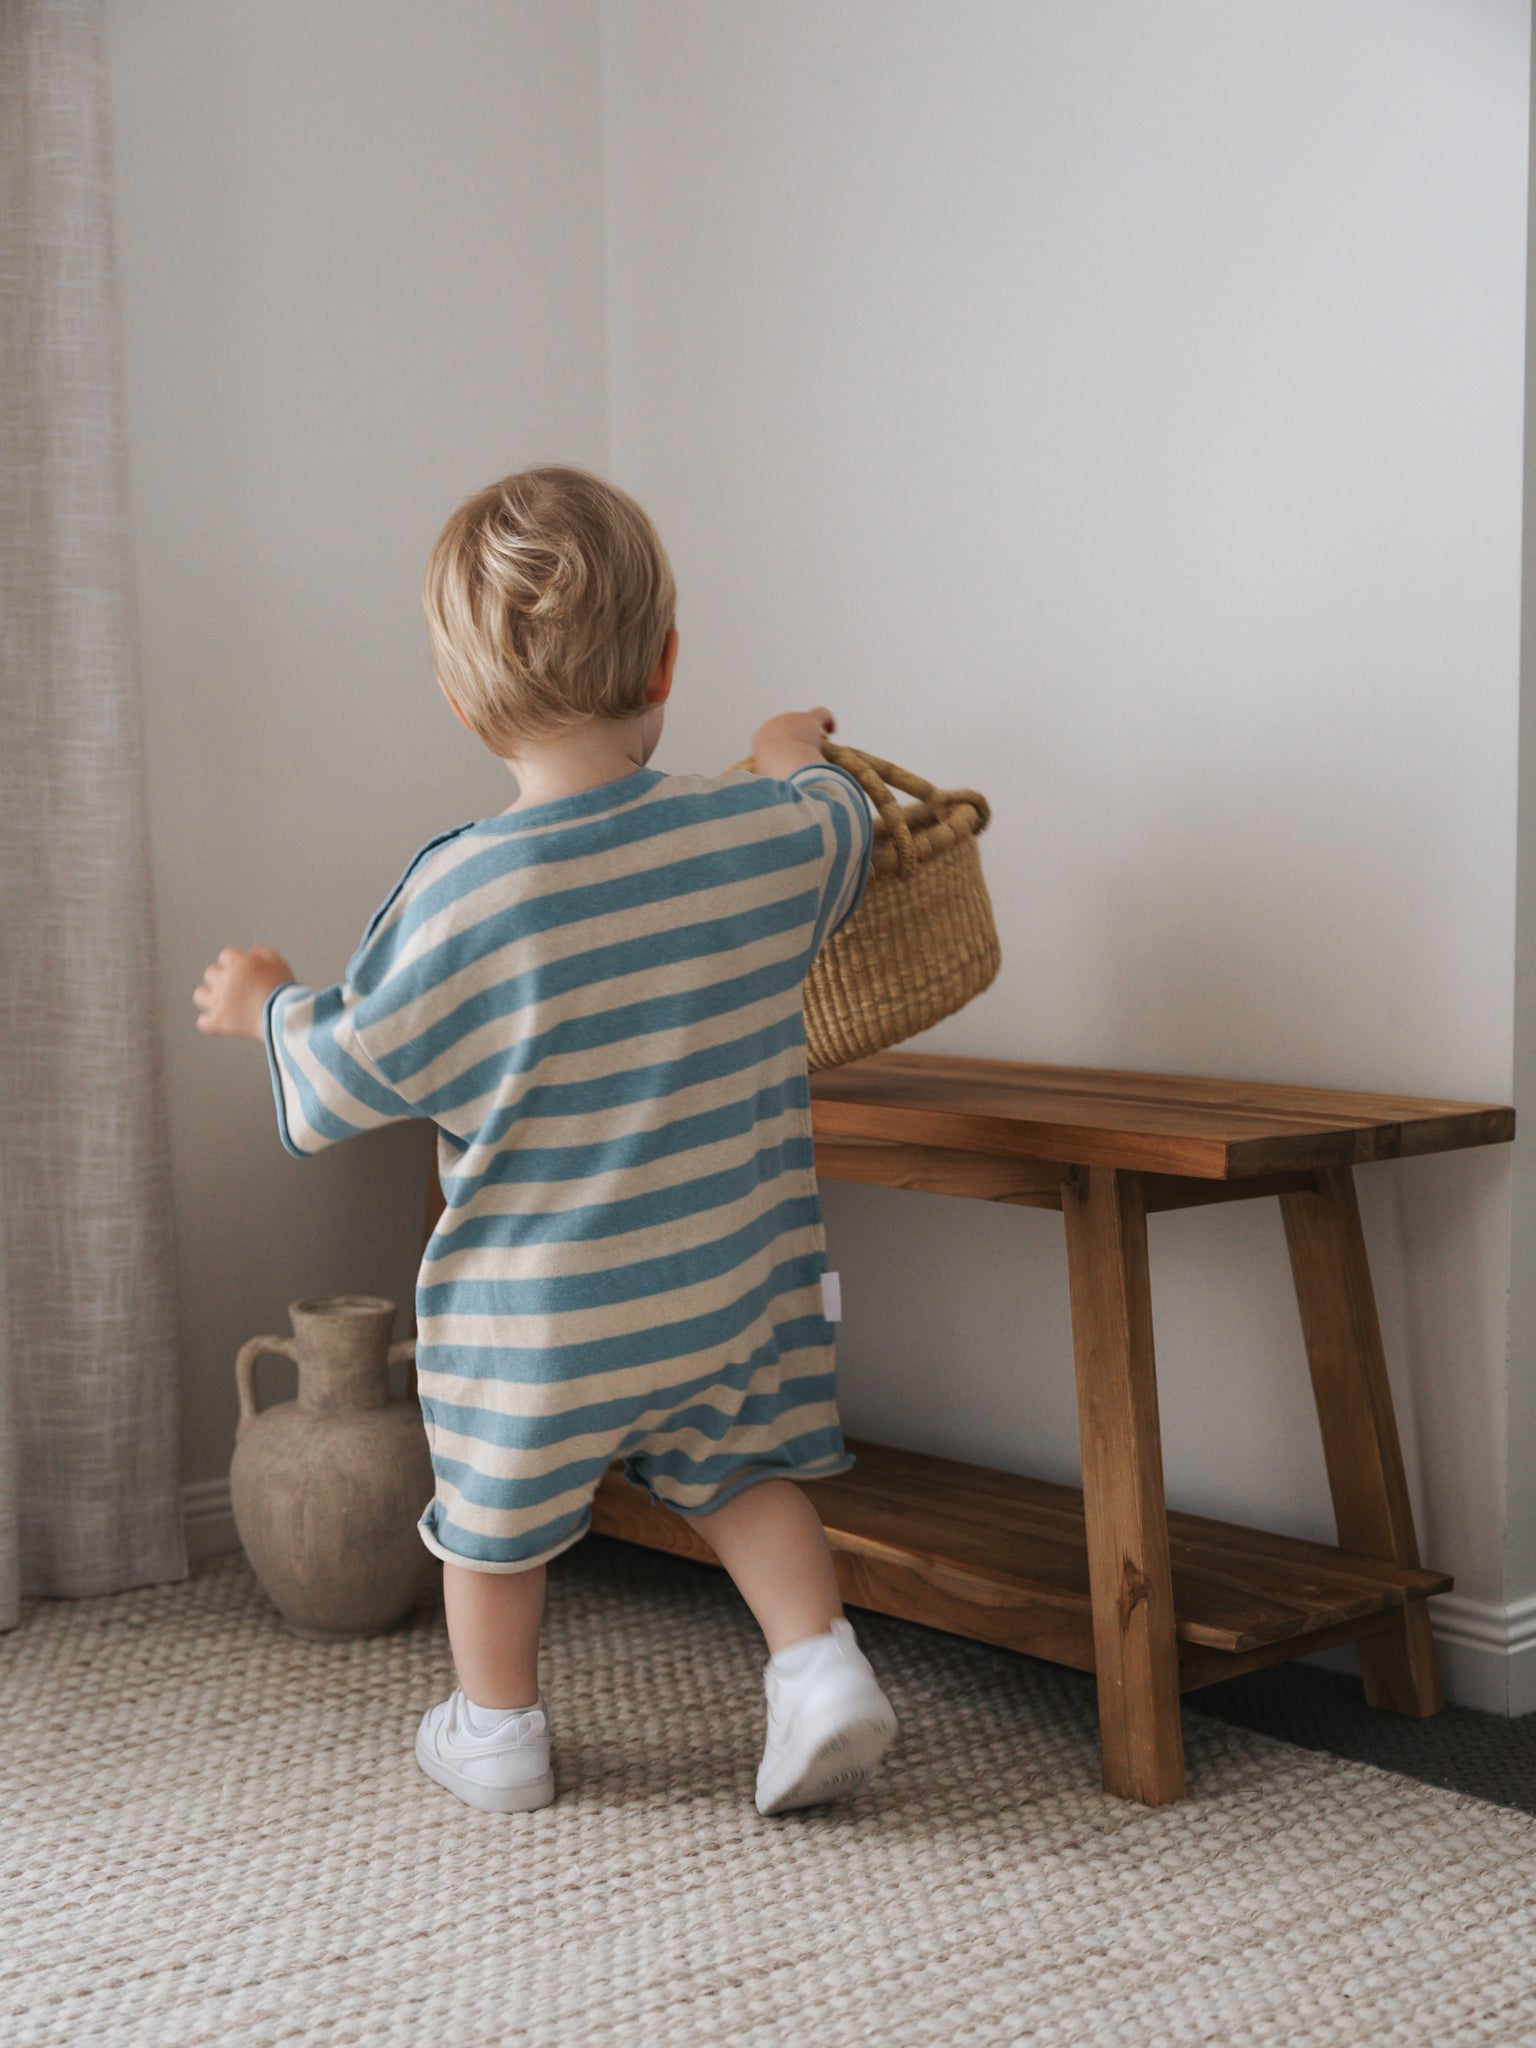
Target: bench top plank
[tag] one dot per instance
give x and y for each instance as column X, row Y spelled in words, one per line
column 1147, row 1123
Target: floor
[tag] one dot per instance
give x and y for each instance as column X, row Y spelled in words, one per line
column 1484, row 1755
column 215, row 1834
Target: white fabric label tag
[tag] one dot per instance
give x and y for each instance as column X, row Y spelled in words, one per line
column 832, row 1297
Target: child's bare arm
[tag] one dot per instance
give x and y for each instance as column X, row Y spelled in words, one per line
column 233, row 991
column 791, row 741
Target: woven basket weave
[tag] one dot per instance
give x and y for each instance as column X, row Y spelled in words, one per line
column 923, row 940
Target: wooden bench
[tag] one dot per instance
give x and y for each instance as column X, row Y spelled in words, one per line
column 1104, row 1578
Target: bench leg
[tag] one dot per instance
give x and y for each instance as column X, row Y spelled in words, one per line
column 1360, row 1441
column 1135, row 1646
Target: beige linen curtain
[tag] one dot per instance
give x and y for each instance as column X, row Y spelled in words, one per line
column 89, row 1500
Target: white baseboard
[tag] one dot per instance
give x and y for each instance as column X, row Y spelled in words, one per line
column 1487, row 1654
column 209, row 1520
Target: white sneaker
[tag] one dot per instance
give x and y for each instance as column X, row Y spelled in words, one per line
column 829, row 1723
column 505, row 1771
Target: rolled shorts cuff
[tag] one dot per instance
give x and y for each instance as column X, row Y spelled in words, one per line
column 498, row 1565
column 741, row 1481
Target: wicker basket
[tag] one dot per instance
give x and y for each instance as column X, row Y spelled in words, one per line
column 923, row 941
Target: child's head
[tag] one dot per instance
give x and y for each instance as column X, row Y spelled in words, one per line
column 549, row 599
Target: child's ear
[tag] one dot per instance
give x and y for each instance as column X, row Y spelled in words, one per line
column 659, row 688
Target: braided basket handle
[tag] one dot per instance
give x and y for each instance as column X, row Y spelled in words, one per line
column 880, row 780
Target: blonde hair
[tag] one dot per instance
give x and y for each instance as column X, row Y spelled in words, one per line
column 549, row 598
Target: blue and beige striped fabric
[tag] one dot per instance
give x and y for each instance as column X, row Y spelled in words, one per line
column 598, row 1003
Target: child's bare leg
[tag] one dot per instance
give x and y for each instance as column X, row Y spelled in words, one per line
column 829, row 1723
column 770, row 1540
column 493, row 1625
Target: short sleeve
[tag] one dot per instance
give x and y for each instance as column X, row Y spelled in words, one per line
column 848, row 836
column 324, row 1082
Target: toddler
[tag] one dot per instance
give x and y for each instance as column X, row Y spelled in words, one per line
column 596, row 998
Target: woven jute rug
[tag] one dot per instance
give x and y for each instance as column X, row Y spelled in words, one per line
column 213, row 1832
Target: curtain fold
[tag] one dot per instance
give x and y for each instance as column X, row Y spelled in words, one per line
column 89, row 1494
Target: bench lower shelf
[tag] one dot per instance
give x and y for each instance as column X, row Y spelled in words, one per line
column 1003, row 1559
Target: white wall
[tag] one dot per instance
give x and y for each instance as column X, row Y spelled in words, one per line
column 1120, row 408
column 1117, row 407
column 361, row 273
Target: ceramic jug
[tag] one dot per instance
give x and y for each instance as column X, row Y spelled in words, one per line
column 327, row 1489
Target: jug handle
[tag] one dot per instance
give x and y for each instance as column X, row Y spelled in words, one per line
column 406, row 1349
column 245, row 1374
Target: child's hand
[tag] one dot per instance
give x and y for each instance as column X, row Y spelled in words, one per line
column 791, row 741
column 233, row 991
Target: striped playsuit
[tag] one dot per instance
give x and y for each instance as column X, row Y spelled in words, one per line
column 598, row 1003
